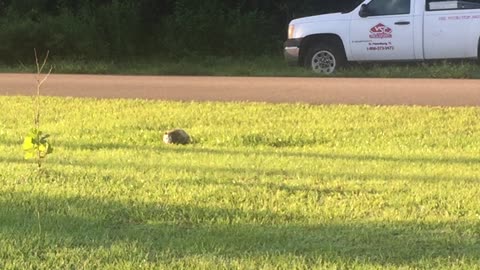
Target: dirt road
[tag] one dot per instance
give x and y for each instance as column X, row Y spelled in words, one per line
column 275, row 90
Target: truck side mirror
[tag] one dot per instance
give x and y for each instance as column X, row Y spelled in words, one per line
column 364, row 12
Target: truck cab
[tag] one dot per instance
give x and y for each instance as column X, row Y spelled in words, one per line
column 386, row 30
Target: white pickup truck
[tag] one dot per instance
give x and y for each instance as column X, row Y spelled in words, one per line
column 386, row 30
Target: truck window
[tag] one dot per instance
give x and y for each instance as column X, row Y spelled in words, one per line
column 389, row 7
column 436, row 5
column 352, row 6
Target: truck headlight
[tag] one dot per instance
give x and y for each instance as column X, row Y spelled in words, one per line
column 291, row 31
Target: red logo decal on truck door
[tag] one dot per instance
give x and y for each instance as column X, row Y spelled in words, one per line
column 381, row 31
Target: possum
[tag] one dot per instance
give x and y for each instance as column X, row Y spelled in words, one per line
column 176, row 136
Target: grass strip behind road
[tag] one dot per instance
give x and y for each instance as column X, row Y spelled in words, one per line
column 263, row 186
column 260, row 66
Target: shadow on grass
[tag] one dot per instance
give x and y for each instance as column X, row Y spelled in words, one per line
column 252, row 151
column 249, row 172
column 438, row 69
column 278, row 153
column 185, row 230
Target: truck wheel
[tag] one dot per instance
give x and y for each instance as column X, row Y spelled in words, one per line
column 324, row 58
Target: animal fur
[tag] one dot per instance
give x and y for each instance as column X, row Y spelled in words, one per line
column 176, row 136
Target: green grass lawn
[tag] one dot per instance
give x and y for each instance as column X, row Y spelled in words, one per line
column 259, row 66
column 263, row 187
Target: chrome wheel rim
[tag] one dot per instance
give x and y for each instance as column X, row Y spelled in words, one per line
column 324, row 62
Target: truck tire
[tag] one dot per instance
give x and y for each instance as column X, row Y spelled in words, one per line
column 324, row 58
column 478, row 54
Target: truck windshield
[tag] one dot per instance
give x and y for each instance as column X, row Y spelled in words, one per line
column 352, row 6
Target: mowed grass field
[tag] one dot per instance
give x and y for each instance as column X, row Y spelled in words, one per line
column 263, row 187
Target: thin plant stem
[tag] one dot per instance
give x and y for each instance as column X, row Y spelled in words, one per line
column 40, row 82
column 38, row 220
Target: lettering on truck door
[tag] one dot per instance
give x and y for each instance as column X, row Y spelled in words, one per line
column 451, row 29
column 386, row 33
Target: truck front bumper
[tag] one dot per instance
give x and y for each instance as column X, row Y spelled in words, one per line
column 291, row 51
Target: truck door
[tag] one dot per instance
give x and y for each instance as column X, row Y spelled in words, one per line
column 451, row 29
column 383, row 30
